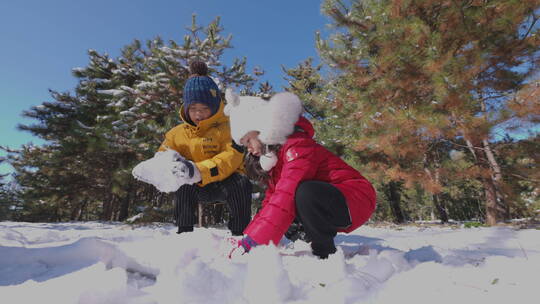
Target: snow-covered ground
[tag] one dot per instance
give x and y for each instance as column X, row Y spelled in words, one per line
column 116, row 263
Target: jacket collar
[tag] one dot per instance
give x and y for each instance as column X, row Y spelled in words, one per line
column 206, row 124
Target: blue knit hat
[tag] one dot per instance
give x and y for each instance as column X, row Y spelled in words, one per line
column 201, row 88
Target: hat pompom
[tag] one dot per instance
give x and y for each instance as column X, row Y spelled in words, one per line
column 198, row 68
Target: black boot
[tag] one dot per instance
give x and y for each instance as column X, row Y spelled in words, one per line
column 237, row 233
column 296, row 232
column 323, row 250
column 184, row 229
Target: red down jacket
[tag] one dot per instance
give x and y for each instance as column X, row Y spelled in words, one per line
column 301, row 158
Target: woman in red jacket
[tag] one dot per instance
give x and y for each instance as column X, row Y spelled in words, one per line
column 305, row 180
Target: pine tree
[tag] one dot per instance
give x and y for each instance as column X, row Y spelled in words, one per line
column 415, row 77
column 116, row 117
column 6, row 203
column 521, row 158
column 306, row 81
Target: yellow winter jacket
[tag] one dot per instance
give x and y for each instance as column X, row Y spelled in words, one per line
column 209, row 145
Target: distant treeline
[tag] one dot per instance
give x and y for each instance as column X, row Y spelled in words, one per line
column 417, row 95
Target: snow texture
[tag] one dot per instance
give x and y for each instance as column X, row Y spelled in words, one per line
column 158, row 171
column 112, row 92
column 115, row 263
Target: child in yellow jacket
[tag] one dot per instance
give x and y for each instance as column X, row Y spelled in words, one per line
column 211, row 163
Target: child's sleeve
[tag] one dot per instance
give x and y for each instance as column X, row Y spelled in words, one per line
column 222, row 165
column 276, row 215
column 168, row 142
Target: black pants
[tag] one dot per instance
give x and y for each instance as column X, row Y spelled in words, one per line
column 322, row 210
column 235, row 190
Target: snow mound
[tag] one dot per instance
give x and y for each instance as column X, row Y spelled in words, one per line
column 114, row 263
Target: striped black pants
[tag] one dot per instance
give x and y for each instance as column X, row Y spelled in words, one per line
column 234, row 190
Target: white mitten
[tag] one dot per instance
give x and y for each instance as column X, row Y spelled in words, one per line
column 157, row 171
column 268, row 161
column 186, row 171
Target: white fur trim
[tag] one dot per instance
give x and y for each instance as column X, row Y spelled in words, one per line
column 274, row 119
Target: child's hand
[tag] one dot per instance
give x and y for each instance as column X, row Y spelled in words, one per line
column 239, row 247
column 230, row 247
column 186, row 171
column 157, row 171
column 235, row 250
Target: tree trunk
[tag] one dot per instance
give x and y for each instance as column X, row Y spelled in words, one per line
column 437, row 201
column 495, row 203
column 394, row 198
column 200, row 214
column 113, row 207
column 74, row 210
column 124, row 207
column 496, row 176
column 491, row 203
column 439, row 206
column 211, row 213
column 57, row 214
column 107, row 208
column 82, row 209
column 218, row 213
column 493, row 197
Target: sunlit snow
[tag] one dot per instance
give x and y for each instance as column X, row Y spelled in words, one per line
column 118, row 263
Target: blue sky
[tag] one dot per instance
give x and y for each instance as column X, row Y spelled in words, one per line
column 41, row 41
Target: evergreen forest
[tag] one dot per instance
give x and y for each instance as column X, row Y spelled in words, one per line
column 423, row 97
